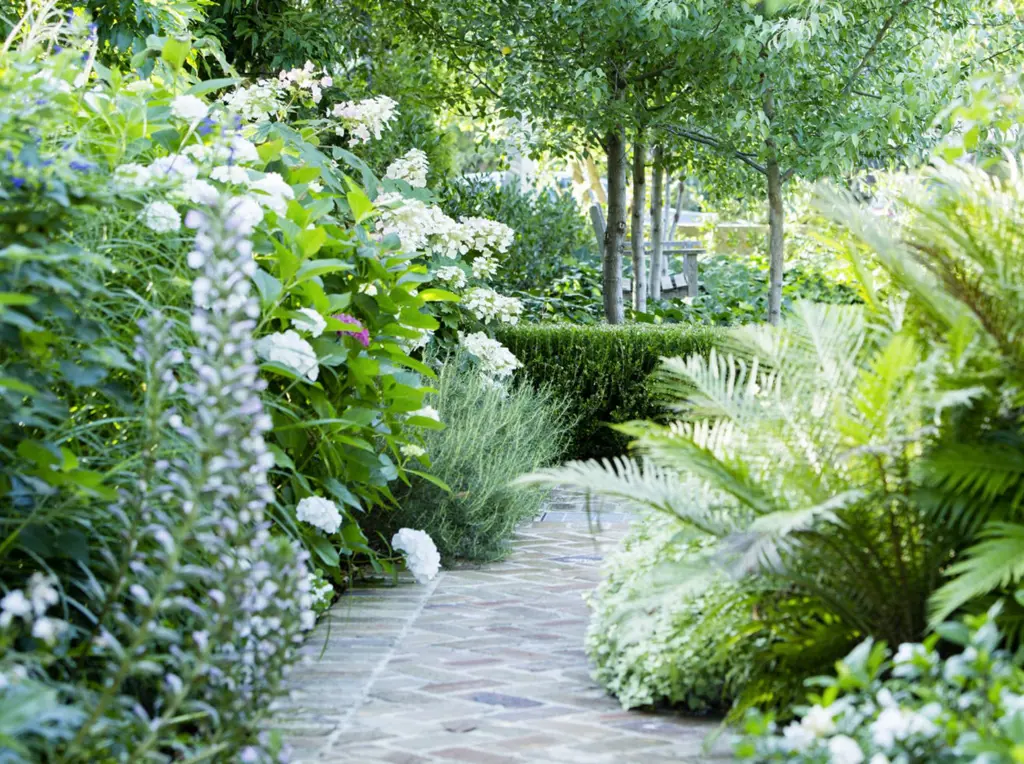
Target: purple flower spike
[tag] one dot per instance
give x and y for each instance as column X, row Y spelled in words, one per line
column 363, row 335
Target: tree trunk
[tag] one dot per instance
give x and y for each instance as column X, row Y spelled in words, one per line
column 615, row 229
column 678, row 212
column 657, row 221
column 776, row 243
column 636, row 232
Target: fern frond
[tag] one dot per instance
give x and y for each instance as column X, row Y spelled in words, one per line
column 994, row 562
column 642, row 484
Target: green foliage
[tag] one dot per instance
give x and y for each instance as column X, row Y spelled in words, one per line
column 603, row 371
column 492, row 435
column 656, row 638
column 917, row 706
column 551, row 233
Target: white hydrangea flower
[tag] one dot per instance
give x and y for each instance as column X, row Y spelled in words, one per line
column 275, row 192
column 487, row 236
column 232, row 174
column 311, row 322
column 484, row 266
column 258, row 102
column 797, row 738
column 173, row 168
column 428, row 412
column 306, row 79
column 487, row 305
column 895, row 723
column 496, row 360
column 198, row 152
column 289, row 349
column 422, row 341
column 236, row 150
column 412, row 167
column 412, row 450
column 819, row 721
column 880, row 758
column 161, row 217
column 199, row 192
column 189, row 108
column 320, row 513
column 140, row 87
column 244, row 214
column 421, row 556
column 132, row 176
column 452, row 275
column 410, row 219
column 368, row 289
column 365, row 119
column 845, row 750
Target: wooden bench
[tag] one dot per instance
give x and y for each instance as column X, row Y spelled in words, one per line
column 673, row 285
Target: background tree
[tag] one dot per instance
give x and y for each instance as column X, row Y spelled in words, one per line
column 819, row 88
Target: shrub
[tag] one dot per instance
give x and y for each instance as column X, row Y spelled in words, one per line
column 911, row 707
column 602, row 370
column 658, row 640
column 492, row 435
column 552, row 233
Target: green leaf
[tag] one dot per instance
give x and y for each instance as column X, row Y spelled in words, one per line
column 269, row 288
column 324, row 549
column 175, row 51
column 208, row 86
column 311, row 240
column 313, row 268
column 438, row 295
column 358, row 202
column 431, row 479
column 15, row 298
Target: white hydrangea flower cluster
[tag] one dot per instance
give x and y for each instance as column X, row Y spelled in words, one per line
column 421, row 555
column 496, row 361
column 320, row 513
column 488, row 236
column 310, row 321
column 259, row 102
column 31, row 608
column 161, row 217
column 273, row 192
column 452, row 275
column 189, row 108
column 412, row 451
column 289, row 349
column 487, row 305
column 412, row 167
column 365, row 119
column 306, row 79
column 484, row 266
column 410, row 219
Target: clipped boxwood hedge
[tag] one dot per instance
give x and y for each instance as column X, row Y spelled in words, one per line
column 603, row 370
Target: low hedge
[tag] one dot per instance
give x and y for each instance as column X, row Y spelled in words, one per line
column 603, row 371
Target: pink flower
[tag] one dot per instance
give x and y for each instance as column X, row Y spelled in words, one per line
column 363, row 335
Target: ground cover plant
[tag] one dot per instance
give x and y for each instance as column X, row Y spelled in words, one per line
column 654, row 640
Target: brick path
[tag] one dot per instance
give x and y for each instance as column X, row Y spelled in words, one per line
column 482, row 665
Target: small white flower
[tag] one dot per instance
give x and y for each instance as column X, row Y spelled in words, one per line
column 48, row 629
column 496, row 360
column 312, row 322
column 132, row 176
column 428, row 412
column 452, row 275
column 412, row 450
column 14, row 605
column 365, row 119
column 173, row 168
column 797, row 738
column 879, row 758
column 140, row 87
column 244, row 214
column 232, row 174
column 275, row 192
column 421, row 556
column 200, row 192
column 320, row 513
column 289, row 349
column 237, row 151
column 844, row 750
column 819, row 722
column 161, row 217
column 189, row 108
column 412, row 168
column 42, row 592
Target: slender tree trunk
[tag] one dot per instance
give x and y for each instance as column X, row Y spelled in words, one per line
column 636, row 233
column 776, row 242
column 678, row 212
column 615, row 228
column 657, row 220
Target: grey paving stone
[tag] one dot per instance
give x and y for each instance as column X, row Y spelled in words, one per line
column 484, row 666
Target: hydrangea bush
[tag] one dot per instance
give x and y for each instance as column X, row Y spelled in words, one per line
column 909, row 707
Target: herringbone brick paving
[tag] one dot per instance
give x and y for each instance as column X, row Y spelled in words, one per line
column 483, row 665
